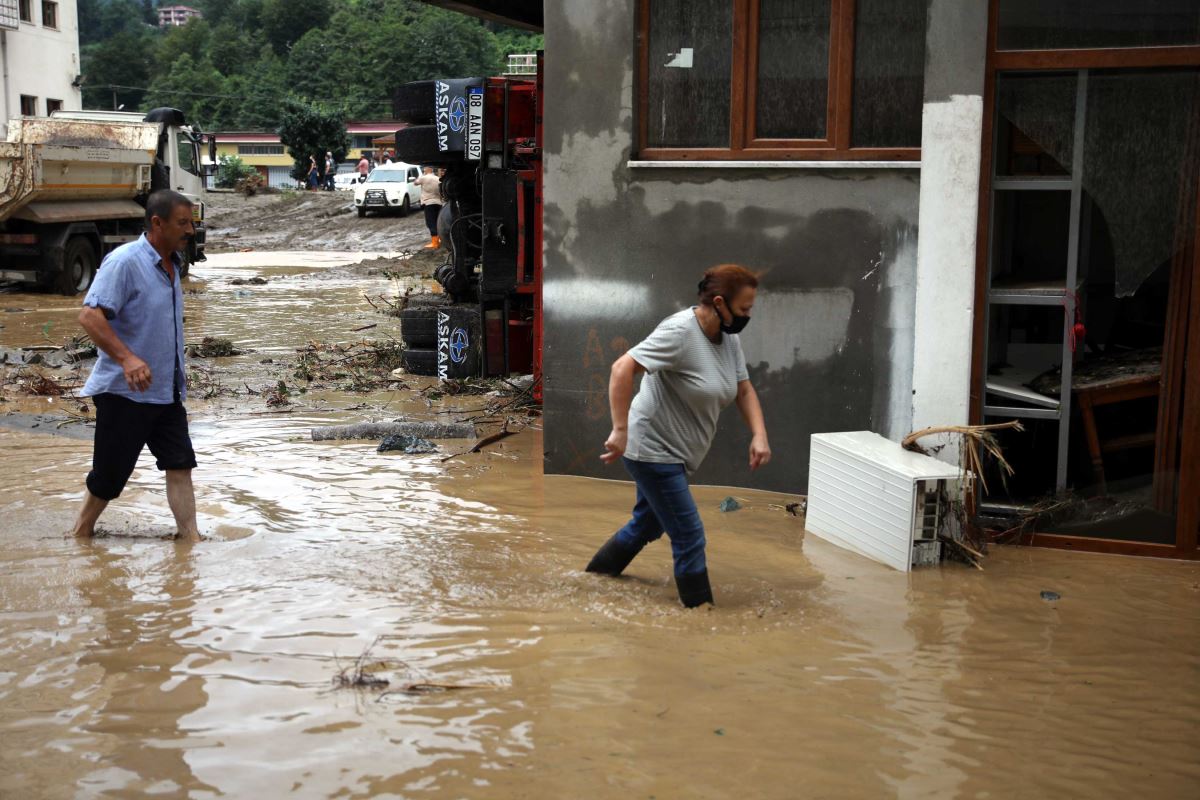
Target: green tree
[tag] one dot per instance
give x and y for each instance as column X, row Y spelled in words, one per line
column 124, row 60
column 191, row 39
column 100, row 20
column 194, row 87
column 284, row 22
column 230, row 170
column 310, row 130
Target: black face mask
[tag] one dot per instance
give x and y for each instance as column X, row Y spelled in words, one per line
column 736, row 324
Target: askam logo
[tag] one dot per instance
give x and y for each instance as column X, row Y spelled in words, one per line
column 458, row 345
column 458, row 114
column 443, row 342
column 441, row 94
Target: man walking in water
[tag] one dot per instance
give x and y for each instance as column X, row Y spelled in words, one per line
column 134, row 314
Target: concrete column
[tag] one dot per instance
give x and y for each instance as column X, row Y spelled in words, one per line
column 951, row 139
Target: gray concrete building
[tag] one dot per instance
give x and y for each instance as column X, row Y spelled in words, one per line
column 963, row 212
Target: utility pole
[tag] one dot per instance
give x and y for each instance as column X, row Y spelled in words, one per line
column 114, row 91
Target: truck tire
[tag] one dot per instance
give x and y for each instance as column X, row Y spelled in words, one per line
column 414, row 103
column 428, row 300
column 362, row 211
column 418, row 327
column 405, row 206
column 78, row 267
column 417, row 144
column 420, row 362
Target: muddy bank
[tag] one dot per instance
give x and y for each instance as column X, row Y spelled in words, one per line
column 305, row 221
column 132, row 666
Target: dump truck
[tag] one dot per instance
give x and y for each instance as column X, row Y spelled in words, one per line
column 73, row 186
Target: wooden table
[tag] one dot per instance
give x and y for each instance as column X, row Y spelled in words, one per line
column 1107, row 392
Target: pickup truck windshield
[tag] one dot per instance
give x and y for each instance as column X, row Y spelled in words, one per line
column 387, row 176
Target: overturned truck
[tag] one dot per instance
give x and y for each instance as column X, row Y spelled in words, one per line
column 487, row 134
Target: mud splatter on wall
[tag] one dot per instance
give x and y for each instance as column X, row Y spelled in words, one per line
column 830, row 344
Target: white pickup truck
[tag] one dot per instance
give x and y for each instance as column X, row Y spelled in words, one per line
column 388, row 189
column 74, row 185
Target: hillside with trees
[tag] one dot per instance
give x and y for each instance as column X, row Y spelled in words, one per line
column 247, row 61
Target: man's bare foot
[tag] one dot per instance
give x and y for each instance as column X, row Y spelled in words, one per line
column 190, row 537
column 83, row 533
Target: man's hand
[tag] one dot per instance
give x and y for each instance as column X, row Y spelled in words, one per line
column 760, row 451
column 614, row 446
column 137, row 373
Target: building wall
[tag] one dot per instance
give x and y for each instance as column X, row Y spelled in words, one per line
column 41, row 62
column 226, row 148
column 830, row 344
column 951, row 136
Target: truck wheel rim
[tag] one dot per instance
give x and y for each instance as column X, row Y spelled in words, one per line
column 79, row 275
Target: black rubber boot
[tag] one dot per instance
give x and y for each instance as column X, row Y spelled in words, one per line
column 694, row 589
column 612, row 557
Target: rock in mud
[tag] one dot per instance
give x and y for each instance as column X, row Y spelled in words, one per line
column 213, row 347
column 1050, row 596
column 411, row 445
column 255, row 281
column 730, row 504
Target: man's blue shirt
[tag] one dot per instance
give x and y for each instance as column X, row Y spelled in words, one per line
column 145, row 309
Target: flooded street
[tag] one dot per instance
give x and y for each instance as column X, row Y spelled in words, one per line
column 134, row 666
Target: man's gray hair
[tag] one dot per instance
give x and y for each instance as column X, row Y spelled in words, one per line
column 161, row 203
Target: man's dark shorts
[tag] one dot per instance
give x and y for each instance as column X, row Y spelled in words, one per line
column 123, row 428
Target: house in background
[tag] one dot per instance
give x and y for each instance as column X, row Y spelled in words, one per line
column 964, row 212
column 169, row 16
column 267, row 154
column 39, row 46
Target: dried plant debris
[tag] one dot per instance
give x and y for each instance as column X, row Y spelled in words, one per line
column 357, row 367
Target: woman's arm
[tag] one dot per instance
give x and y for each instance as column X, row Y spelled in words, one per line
column 620, row 396
column 747, row 403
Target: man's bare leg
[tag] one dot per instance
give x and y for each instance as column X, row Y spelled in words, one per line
column 85, row 526
column 182, row 499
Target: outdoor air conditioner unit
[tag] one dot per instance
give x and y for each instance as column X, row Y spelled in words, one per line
column 871, row 496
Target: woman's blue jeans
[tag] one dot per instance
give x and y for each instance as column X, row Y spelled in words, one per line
column 665, row 505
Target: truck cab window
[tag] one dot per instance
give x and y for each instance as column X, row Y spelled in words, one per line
column 188, row 159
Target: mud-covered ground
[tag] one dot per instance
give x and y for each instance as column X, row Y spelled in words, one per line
column 303, row 220
column 362, row 624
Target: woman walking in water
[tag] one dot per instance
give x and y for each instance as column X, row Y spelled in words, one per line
column 694, row 368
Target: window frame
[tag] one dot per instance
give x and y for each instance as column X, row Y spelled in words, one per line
column 28, row 101
column 259, row 149
column 25, row 7
column 53, row 104
column 743, row 146
column 50, row 4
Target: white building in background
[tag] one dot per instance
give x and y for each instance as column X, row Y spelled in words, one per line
column 176, row 15
column 39, row 54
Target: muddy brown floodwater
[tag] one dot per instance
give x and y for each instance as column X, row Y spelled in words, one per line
column 131, row 666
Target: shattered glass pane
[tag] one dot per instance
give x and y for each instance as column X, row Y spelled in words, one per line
column 1136, row 162
column 690, row 47
column 1037, row 112
column 793, row 69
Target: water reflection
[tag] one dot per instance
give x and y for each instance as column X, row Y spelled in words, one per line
column 129, row 667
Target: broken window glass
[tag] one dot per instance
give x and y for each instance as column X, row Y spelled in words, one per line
column 1036, row 128
column 1139, row 160
column 690, row 60
column 1069, row 24
column 793, row 69
column 889, row 73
